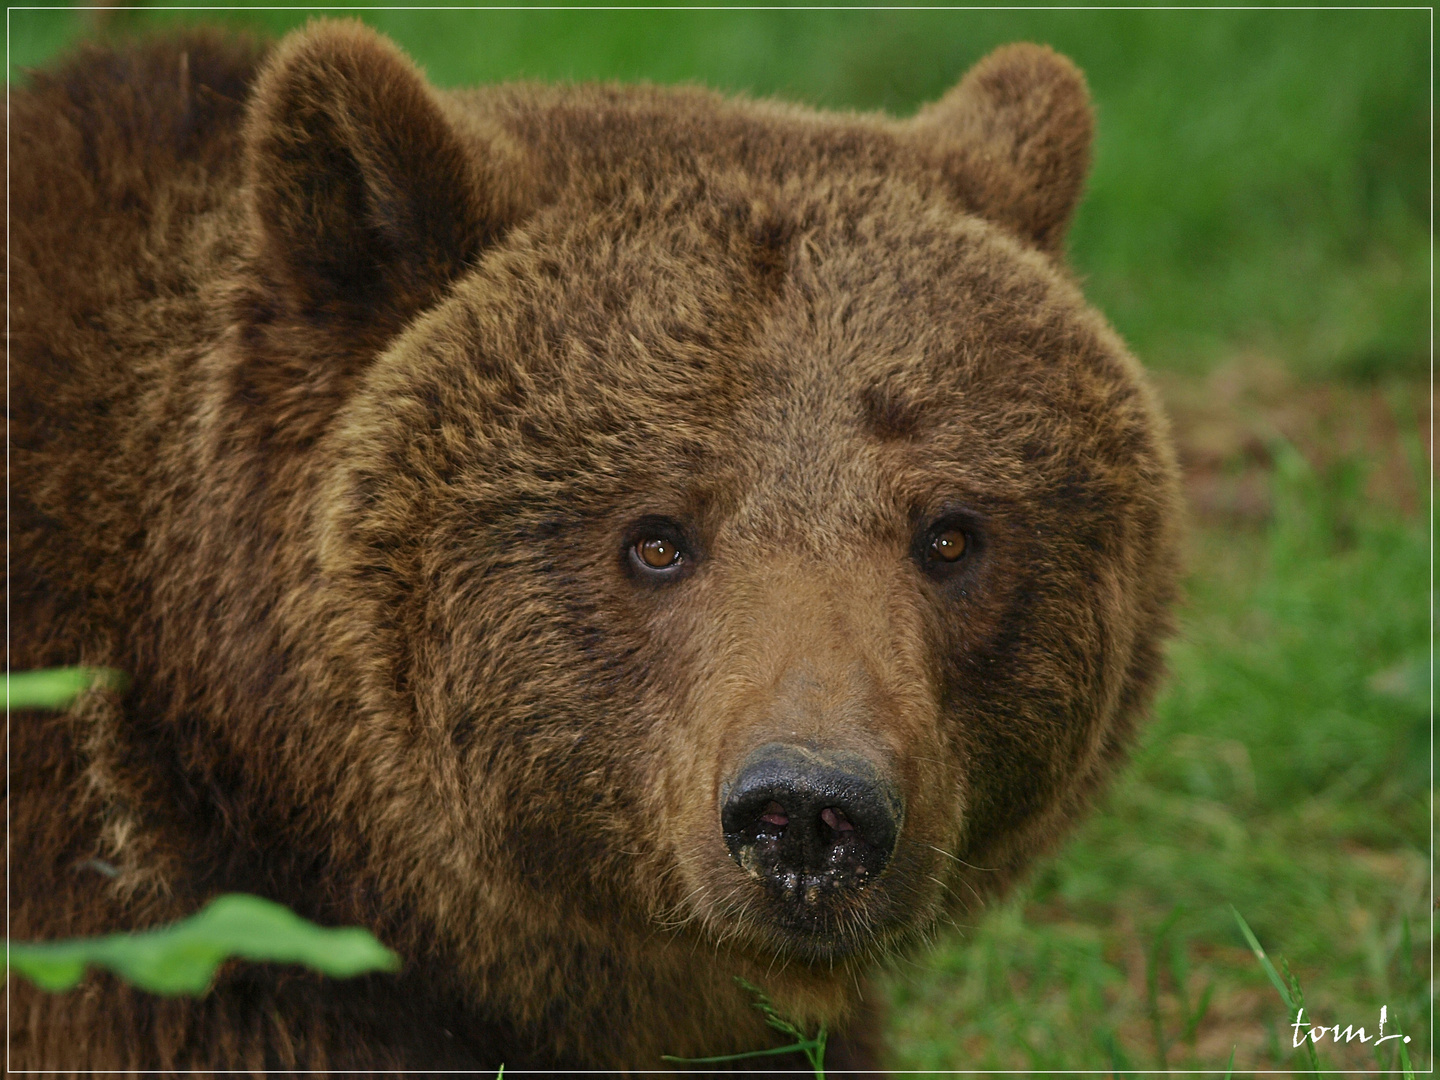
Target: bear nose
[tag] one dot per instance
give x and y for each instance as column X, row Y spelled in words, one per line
column 809, row 825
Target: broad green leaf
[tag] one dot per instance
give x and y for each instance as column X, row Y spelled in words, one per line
column 55, row 688
column 182, row 958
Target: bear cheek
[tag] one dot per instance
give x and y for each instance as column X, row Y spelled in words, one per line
column 1033, row 689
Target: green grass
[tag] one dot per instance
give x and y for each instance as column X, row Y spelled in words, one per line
column 1261, row 179
column 1286, row 773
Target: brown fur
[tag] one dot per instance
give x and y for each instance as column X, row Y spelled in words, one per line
column 336, row 403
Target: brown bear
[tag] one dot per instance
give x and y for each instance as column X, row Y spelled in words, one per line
column 606, row 540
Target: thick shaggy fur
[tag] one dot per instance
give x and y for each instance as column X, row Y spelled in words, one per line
column 337, row 405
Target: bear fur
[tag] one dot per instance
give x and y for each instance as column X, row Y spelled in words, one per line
column 340, row 409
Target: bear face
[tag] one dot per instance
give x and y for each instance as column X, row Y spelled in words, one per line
column 634, row 525
column 681, row 458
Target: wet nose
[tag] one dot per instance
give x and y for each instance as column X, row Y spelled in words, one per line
column 810, row 825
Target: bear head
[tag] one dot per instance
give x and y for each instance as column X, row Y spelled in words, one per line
column 733, row 527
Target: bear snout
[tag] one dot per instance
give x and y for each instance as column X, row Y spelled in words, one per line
column 812, row 828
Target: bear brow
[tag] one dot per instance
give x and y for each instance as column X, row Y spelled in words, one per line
column 890, row 413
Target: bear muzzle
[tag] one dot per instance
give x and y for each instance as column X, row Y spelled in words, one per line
column 812, row 828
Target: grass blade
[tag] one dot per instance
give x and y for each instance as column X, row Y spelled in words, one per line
column 1288, row 988
column 1265, row 963
column 813, row 1049
column 1298, row 997
column 1152, row 984
column 797, row 1048
column 1406, row 1069
column 1193, row 1022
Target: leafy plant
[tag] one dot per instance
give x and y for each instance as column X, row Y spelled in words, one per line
column 182, row 958
column 812, row 1048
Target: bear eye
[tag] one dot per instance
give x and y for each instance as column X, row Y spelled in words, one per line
column 658, row 550
column 657, row 553
column 948, row 545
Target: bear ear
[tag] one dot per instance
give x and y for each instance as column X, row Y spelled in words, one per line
column 365, row 199
column 1014, row 138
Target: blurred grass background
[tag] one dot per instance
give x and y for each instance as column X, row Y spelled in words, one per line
column 1258, row 226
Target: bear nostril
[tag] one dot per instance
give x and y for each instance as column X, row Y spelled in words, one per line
column 775, row 814
column 836, row 819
